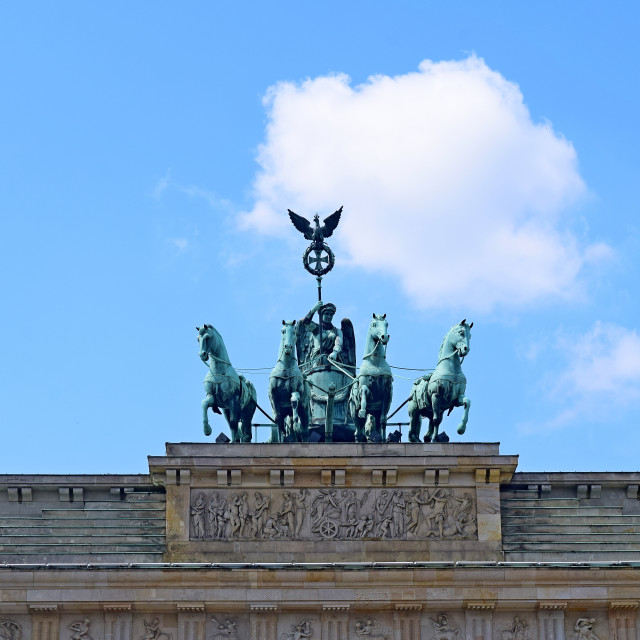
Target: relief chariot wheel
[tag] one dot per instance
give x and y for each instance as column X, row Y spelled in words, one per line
column 328, row 529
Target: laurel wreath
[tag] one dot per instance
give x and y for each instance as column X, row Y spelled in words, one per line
column 316, row 271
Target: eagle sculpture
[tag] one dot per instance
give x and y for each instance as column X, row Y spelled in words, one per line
column 318, row 233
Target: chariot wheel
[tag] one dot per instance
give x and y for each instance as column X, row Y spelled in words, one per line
column 328, row 529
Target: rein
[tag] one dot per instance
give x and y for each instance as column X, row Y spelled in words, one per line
column 335, row 364
column 453, row 353
column 218, row 359
column 384, row 355
column 210, row 355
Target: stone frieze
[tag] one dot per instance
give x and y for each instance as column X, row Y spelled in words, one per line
column 333, row 513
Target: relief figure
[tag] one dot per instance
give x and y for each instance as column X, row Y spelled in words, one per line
column 287, row 513
column 10, row 630
column 300, row 499
column 463, row 515
column 517, row 631
column 238, row 515
column 197, row 516
column 271, row 529
column 260, row 514
column 218, row 516
column 584, row 629
column 299, row 631
column 366, row 628
column 398, row 506
column 152, row 631
column 225, row 629
column 443, row 630
column 415, row 500
column 438, row 514
column 324, row 506
column 80, row 629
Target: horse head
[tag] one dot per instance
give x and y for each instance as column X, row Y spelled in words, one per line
column 204, row 336
column 288, row 342
column 210, row 343
column 379, row 328
column 459, row 338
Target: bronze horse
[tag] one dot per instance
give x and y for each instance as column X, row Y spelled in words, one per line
column 225, row 389
column 289, row 391
column 443, row 389
column 372, row 390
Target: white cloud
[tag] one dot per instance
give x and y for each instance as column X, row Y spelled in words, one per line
column 445, row 179
column 162, row 185
column 181, row 244
column 167, row 183
column 598, row 373
column 211, row 198
column 603, row 363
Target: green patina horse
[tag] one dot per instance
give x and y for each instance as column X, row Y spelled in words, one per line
column 372, row 390
column 443, row 389
column 289, row 391
column 225, row 389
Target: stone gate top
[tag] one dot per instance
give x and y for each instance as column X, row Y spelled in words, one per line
column 333, row 502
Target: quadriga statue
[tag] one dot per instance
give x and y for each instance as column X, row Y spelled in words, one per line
column 317, row 343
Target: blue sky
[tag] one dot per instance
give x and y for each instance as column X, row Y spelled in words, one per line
column 486, row 157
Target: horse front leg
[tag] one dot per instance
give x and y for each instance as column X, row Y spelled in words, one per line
column 295, row 417
column 209, row 402
column 466, row 403
column 364, row 393
column 434, row 422
column 371, row 428
column 206, row 404
column 359, row 423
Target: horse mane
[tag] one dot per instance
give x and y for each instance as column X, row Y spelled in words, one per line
column 214, row 330
column 281, row 351
column 446, row 335
column 281, row 348
column 211, row 330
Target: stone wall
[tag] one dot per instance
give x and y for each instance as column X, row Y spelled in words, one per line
column 325, row 603
column 321, row 542
column 60, row 519
column 571, row 517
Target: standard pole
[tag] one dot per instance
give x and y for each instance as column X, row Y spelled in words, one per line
column 319, row 279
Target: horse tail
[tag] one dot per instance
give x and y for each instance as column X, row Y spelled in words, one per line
column 419, row 391
column 248, row 405
column 354, row 398
column 250, row 389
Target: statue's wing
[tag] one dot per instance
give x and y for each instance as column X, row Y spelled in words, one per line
column 348, row 345
column 304, row 344
column 302, row 224
column 330, row 223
